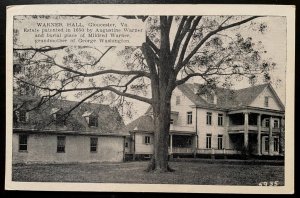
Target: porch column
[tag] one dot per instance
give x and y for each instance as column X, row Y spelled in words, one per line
column 134, row 147
column 259, row 134
column 281, row 136
column 246, row 129
column 195, row 145
column 270, row 136
column 171, row 144
column 226, row 135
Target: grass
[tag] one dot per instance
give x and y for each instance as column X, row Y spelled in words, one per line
column 201, row 173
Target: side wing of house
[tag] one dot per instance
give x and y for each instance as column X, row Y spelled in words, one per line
column 268, row 99
column 144, row 142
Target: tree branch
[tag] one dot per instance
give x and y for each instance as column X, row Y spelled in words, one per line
column 178, row 33
column 106, row 88
column 219, row 29
column 183, row 80
column 150, row 59
column 42, row 49
column 187, row 40
column 170, row 20
column 108, row 71
column 225, row 21
column 181, row 34
column 97, row 61
column 152, row 45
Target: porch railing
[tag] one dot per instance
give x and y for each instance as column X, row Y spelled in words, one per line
column 218, row 151
column 185, row 150
column 181, row 150
column 266, row 129
column 241, row 128
column 182, row 128
column 234, row 128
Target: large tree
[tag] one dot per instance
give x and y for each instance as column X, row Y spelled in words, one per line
column 177, row 48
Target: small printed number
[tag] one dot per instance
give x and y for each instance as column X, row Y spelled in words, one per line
column 271, row 183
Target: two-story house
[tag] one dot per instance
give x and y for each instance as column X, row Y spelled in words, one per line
column 50, row 133
column 216, row 122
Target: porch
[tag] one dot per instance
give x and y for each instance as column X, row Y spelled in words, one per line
column 256, row 132
column 182, row 142
column 186, row 144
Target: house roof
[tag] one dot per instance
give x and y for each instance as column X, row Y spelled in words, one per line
column 226, row 98
column 109, row 119
column 188, row 90
column 244, row 97
column 143, row 123
column 56, row 132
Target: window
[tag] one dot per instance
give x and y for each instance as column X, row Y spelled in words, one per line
column 208, row 141
column 266, row 101
column 22, row 116
column 171, row 121
column 189, row 117
column 208, row 118
column 177, row 100
column 94, row 143
column 276, row 144
column 147, row 140
column 276, row 124
column 126, row 144
column 267, row 123
column 220, row 119
column 220, row 141
column 266, row 144
column 61, row 143
column 23, row 142
column 93, row 121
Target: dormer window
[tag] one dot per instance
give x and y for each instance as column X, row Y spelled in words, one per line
column 54, row 113
column 57, row 116
column 91, row 118
column 93, row 121
column 22, row 116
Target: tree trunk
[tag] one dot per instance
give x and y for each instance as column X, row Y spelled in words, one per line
column 161, row 116
column 162, row 86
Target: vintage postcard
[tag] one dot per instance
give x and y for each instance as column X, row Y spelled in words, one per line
column 150, row 98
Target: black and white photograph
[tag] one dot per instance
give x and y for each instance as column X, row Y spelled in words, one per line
column 105, row 98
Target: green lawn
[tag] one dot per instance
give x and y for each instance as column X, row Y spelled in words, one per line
column 133, row 172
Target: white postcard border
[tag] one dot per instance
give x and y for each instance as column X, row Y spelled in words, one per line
column 161, row 9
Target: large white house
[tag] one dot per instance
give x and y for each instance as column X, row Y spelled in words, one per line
column 216, row 122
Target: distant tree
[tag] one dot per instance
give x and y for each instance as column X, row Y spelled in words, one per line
column 177, row 48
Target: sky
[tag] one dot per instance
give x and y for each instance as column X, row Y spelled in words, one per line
column 274, row 42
